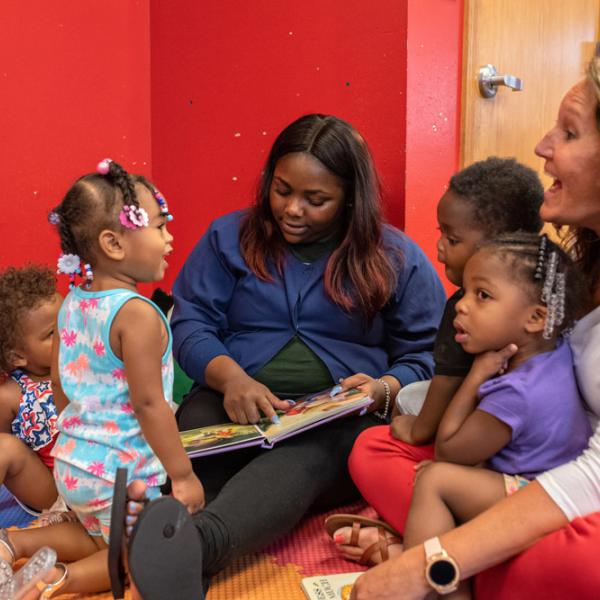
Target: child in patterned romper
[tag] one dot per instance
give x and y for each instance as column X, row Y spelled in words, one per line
column 29, row 304
column 116, row 372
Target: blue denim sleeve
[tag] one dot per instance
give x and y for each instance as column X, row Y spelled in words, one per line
column 202, row 292
column 413, row 316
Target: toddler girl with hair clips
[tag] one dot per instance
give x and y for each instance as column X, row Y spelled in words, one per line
column 116, row 372
column 518, row 410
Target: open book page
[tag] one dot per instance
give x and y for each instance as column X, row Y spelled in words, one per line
column 310, row 411
column 219, row 438
column 329, row 587
column 316, row 408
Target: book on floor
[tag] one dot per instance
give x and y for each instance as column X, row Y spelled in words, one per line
column 329, row 587
column 308, row 412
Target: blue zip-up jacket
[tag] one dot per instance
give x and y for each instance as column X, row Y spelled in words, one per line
column 222, row 308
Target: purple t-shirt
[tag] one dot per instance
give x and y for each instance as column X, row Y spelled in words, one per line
column 540, row 402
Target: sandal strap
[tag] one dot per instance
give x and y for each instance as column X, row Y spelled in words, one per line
column 47, row 590
column 4, row 541
column 381, row 546
column 355, row 533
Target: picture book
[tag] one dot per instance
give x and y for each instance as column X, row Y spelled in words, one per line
column 308, row 412
column 329, row 587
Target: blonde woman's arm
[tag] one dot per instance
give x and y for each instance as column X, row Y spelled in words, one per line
column 499, row 533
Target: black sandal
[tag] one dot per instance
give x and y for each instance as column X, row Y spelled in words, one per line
column 116, row 566
column 165, row 552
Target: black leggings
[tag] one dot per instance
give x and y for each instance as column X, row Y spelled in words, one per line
column 254, row 495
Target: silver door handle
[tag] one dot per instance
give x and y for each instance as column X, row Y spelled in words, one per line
column 489, row 81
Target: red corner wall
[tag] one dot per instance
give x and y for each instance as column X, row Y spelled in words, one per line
column 227, row 76
column 75, row 87
column 193, row 94
column 434, row 74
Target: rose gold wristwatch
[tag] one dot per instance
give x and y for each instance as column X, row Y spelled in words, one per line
column 441, row 571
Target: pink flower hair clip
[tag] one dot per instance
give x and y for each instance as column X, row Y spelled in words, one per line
column 104, row 166
column 133, row 217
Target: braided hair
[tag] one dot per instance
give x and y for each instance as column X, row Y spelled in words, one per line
column 92, row 204
column 548, row 274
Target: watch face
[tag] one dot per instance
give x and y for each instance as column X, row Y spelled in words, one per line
column 442, row 572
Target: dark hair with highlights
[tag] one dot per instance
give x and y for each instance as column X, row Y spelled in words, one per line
column 92, row 204
column 520, row 252
column 503, row 194
column 359, row 273
column 21, row 290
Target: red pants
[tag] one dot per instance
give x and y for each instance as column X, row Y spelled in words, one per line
column 383, row 469
column 562, row 566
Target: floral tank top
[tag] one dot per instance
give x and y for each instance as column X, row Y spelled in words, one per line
column 98, row 428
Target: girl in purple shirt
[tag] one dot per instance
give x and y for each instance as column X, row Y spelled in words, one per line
column 518, row 410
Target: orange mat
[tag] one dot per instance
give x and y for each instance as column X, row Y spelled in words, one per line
column 276, row 572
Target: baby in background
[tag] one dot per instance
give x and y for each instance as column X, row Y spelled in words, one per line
column 29, row 305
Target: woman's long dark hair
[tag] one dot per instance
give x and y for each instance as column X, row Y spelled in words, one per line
column 359, row 273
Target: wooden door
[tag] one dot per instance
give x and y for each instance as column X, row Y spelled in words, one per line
column 547, row 44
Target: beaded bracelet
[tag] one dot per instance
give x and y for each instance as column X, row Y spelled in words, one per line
column 388, row 395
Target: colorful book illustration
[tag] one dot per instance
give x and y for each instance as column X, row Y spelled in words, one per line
column 310, row 411
column 329, row 587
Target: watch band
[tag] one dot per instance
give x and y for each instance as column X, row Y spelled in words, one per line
column 433, row 546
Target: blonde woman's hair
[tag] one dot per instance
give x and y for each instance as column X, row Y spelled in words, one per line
column 593, row 75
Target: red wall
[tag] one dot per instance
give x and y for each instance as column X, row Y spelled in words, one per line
column 198, row 91
column 227, row 76
column 75, row 84
column 434, row 51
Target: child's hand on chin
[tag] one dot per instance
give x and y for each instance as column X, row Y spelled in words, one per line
column 189, row 491
column 491, row 363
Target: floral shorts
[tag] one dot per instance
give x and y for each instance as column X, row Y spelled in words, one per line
column 89, row 497
column 513, row 483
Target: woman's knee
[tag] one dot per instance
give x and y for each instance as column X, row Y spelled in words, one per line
column 375, row 450
column 367, row 449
